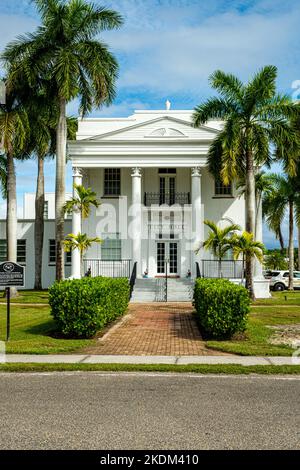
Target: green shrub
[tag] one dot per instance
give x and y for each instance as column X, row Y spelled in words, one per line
column 222, row 307
column 81, row 307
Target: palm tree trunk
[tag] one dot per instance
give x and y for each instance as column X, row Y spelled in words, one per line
column 250, row 216
column 39, row 224
column 298, row 229
column 60, row 187
column 291, row 246
column 11, row 215
column 280, row 238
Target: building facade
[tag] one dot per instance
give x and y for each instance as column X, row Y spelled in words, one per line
column 149, row 171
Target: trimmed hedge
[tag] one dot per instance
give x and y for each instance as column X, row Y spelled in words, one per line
column 222, row 307
column 81, row 307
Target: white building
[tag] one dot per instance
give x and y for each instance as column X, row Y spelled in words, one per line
column 150, row 172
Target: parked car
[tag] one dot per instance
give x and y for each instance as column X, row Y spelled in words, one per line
column 279, row 280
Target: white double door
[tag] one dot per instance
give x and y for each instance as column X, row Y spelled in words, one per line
column 167, row 251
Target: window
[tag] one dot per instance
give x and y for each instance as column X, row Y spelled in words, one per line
column 111, row 248
column 46, row 206
column 52, row 253
column 21, row 251
column 112, row 181
column 222, row 189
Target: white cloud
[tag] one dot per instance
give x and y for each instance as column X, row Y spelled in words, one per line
column 182, row 57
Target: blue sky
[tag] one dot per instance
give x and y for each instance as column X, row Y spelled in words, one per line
column 168, row 48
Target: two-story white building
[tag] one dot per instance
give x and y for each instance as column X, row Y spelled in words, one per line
column 149, row 171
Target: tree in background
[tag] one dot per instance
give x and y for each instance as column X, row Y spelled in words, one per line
column 14, row 134
column 43, row 120
column 65, row 55
column 254, row 116
column 285, row 197
column 274, row 259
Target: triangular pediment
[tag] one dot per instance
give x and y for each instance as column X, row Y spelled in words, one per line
column 161, row 128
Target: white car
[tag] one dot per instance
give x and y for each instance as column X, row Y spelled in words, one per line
column 279, row 280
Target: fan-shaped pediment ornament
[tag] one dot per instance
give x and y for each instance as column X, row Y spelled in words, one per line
column 166, row 132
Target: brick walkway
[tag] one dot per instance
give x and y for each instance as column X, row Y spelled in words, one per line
column 154, row 329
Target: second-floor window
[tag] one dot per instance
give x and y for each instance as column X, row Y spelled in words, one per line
column 21, row 251
column 222, row 189
column 112, row 182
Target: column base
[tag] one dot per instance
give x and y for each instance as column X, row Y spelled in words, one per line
column 261, row 288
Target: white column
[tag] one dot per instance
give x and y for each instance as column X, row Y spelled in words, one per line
column 76, row 226
column 196, row 213
column 259, row 238
column 137, row 217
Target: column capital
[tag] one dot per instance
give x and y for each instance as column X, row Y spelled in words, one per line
column 77, row 171
column 136, row 171
column 196, row 171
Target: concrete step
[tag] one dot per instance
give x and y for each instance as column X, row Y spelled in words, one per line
column 153, row 290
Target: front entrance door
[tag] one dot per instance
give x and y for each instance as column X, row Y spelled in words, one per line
column 169, row 251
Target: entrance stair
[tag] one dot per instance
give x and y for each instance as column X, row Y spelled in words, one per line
column 154, row 290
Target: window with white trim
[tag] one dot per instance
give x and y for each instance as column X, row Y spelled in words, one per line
column 112, row 181
column 111, row 248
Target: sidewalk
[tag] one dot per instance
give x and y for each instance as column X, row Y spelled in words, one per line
column 99, row 359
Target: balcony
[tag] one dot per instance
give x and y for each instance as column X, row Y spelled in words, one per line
column 166, row 198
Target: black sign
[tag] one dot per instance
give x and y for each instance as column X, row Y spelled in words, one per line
column 11, row 274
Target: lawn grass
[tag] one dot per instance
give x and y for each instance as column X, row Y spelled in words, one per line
column 281, row 298
column 32, row 330
column 28, row 297
column 172, row 368
column 257, row 335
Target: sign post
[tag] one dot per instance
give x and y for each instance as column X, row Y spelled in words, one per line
column 11, row 275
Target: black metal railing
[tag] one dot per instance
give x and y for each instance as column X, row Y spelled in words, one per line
column 132, row 279
column 166, row 198
column 228, row 269
column 113, row 268
column 198, row 273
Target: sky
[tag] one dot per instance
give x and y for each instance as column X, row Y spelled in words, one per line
column 168, row 48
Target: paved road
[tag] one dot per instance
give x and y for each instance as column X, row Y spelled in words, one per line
column 148, row 411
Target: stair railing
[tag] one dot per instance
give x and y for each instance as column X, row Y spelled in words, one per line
column 132, row 279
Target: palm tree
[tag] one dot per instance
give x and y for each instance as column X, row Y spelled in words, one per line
column 64, row 54
column 275, row 260
column 3, row 176
column 272, row 218
column 246, row 246
column 14, row 132
column 254, row 117
column 263, row 184
column 80, row 242
column 218, row 240
column 82, row 201
column 284, row 197
column 43, row 121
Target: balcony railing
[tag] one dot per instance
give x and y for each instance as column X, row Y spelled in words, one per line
column 115, row 268
column 166, row 198
column 228, row 269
